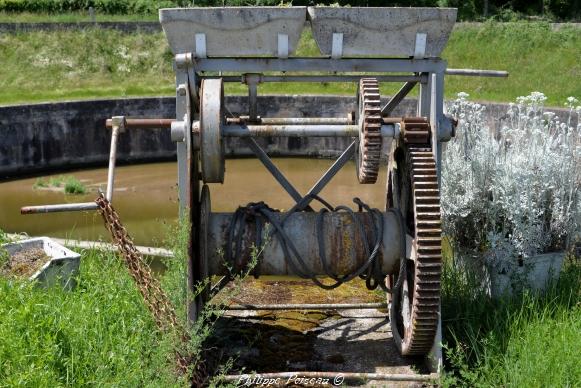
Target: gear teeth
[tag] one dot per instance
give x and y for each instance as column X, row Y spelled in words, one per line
column 419, row 338
column 370, row 144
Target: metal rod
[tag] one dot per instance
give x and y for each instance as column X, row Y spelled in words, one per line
column 397, row 98
column 68, row 207
column 296, row 64
column 270, row 166
column 240, row 130
column 308, row 306
column 324, row 78
column 326, row 178
column 285, row 378
column 477, row 73
column 150, row 123
column 112, row 159
column 292, row 120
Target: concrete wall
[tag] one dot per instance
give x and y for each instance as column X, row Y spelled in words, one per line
column 58, row 136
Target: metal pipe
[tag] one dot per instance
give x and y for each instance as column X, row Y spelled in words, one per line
column 68, row 207
column 286, row 378
column 291, row 120
column 241, row 130
column 477, row 73
column 150, row 123
column 117, row 126
column 324, row 78
column 341, row 237
column 308, row 306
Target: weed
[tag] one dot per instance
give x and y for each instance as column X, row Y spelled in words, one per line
column 68, row 183
column 74, row 186
column 40, row 183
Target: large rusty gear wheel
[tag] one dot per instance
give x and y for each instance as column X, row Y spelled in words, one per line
column 369, row 114
column 415, row 303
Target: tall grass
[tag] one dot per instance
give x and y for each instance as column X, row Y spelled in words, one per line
column 101, row 333
column 528, row 341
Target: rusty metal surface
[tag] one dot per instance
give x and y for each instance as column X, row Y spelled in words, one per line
column 369, row 152
column 415, row 309
column 415, row 130
column 343, row 243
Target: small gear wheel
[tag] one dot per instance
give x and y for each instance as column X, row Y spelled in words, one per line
column 416, row 130
column 369, row 151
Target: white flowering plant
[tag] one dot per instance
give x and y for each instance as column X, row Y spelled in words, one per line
column 513, row 193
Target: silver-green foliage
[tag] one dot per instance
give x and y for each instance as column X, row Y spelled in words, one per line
column 512, row 192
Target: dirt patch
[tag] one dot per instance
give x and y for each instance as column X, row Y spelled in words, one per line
column 23, row 263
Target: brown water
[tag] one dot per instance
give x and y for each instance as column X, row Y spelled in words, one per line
column 146, row 197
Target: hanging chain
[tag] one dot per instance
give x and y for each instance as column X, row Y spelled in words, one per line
column 154, row 297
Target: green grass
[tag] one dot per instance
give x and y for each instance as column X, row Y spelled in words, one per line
column 529, row 341
column 101, row 333
column 72, row 17
column 94, row 63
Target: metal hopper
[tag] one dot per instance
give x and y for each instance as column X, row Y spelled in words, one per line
column 385, row 32
column 233, row 31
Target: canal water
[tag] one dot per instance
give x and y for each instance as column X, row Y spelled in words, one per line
column 146, row 197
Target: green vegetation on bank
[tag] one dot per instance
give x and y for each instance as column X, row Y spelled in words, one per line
column 68, row 183
column 467, row 9
column 94, row 63
column 529, row 341
column 73, row 17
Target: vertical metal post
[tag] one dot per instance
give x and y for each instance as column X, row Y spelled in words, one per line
column 424, row 97
column 252, row 80
column 182, row 105
column 117, row 127
column 436, row 115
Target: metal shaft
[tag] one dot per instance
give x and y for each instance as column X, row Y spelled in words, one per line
column 341, row 237
column 235, row 130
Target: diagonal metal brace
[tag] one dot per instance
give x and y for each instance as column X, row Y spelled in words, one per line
column 326, row 178
column 276, row 173
column 397, row 98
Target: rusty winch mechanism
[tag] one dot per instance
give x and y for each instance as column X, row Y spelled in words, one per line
column 397, row 248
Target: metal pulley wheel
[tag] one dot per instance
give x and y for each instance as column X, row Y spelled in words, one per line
column 211, row 122
column 368, row 154
column 415, row 301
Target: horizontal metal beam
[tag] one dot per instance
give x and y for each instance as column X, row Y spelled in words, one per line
column 291, row 120
column 241, row 130
column 257, row 65
column 324, row 78
column 312, row 130
column 477, row 73
column 144, row 123
column 69, row 207
column 308, row 306
column 282, row 378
